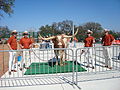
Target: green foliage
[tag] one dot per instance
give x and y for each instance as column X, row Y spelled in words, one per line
column 93, row 26
column 4, row 32
column 60, row 27
column 6, row 7
column 64, row 26
column 46, row 30
column 115, row 34
column 56, row 28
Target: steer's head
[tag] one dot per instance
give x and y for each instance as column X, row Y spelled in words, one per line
column 58, row 40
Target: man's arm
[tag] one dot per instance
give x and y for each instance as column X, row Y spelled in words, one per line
column 93, row 40
column 112, row 39
column 9, row 46
column 8, row 43
column 20, row 43
column 102, row 41
column 31, row 44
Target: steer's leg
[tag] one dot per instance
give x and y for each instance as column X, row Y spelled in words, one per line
column 61, row 60
column 65, row 52
column 56, row 60
column 65, row 55
column 56, row 55
column 61, row 57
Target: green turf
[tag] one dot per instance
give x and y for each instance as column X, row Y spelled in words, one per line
column 47, row 68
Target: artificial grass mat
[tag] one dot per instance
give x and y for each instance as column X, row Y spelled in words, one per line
column 51, row 68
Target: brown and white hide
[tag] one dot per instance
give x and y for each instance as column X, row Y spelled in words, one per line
column 60, row 41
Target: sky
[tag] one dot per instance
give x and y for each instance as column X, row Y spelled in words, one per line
column 32, row 14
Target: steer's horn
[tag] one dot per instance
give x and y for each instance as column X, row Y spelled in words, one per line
column 72, row 35
column 49, row 38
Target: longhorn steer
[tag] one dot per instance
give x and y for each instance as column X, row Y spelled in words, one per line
column 60, row 41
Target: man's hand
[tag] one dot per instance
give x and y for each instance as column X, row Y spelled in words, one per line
column 22, row 47
column 31, row 46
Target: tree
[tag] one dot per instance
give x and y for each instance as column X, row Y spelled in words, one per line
column 115, row 34
column 64, row 26
column 92, row 26
column 6, row 6
column 81, row 33
column 95, row 27
column 56, row 28
column 4, row 32
column 46, row 30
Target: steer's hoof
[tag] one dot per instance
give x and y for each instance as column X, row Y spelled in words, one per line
column 61, row 64
column 65, row 63
column 56, row 64
column 9, row 73
column 93, row 67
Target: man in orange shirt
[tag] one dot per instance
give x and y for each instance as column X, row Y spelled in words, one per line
column 88, row 52
column 26, row 43
column 12, row 44
column 107, row 40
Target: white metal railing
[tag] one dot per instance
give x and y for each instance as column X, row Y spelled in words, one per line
column 78, row 62
column 96, row 60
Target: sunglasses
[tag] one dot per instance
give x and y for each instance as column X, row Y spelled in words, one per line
column 25, row 34
column 88, row 33
column 14, row 33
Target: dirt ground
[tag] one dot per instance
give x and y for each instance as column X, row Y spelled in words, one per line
column 4, row 58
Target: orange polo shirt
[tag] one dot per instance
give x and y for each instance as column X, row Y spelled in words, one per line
column 107, row 40
column 88, row 42
column 75, row 39
column 25, row 42
column 13, row 42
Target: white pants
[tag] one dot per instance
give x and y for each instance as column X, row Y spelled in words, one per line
column 12, row 64
column 107, row 53
column 88, row 55
column 26, row 58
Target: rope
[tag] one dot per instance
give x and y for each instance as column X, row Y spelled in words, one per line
column 46, row 60
column 38, row 56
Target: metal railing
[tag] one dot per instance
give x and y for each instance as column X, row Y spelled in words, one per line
column 97, row 60
column 38, row 66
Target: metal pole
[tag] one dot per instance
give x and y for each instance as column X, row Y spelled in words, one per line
column 3, row 56
column 73, row 29
column 73, row 34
